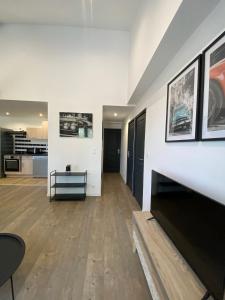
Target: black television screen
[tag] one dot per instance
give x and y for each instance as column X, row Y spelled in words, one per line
column 196, row 225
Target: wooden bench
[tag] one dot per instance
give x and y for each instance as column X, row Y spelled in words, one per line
column 168, row 275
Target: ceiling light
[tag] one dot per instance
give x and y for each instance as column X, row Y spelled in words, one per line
column 7, row 113
column 40, row 115
column 115, row 114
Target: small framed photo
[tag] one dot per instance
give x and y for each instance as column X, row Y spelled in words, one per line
column 213, row 98
column 182, row 104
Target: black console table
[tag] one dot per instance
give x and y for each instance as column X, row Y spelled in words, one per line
column 12, row 250
column 68, row 185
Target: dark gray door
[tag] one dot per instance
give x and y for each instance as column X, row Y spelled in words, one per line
column 139, row 157
column 112, row 143
column 130, row 155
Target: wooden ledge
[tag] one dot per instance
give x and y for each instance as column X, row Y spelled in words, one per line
column 168, row 274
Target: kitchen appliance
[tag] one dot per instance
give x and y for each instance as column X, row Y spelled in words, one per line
column 12, row 163
column 31, row 150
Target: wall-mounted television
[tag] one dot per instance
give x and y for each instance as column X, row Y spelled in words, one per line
column 196, row 225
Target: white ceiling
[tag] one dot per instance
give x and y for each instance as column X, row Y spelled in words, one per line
column 188, row 17
column 106, row 14
column 23, row 109
column 32, row 109
column 122, row 113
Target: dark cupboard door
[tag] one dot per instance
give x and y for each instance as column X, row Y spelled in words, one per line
column 139, row 157
column 130, row 155
column 112, row 144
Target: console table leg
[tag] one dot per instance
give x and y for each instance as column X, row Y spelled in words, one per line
column 11, row 279
column 206, row 296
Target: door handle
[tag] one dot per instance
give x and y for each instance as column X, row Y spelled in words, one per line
column 118, row 151
column 141, row 159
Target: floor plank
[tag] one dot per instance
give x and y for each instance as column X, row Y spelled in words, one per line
column 28, row 181
column 74, row 250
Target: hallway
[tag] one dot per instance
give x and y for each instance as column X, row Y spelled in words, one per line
column 75, row 250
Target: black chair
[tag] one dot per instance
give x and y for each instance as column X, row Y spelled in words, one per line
column 12, row 250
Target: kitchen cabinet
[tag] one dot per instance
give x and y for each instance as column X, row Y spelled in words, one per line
column 33, row 133
column 27, row 165
column 45, row 130
column 40, row 166
column 38, row 133
column 6, row 146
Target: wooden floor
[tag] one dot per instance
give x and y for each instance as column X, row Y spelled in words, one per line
column 75, row 250
column 23, row 181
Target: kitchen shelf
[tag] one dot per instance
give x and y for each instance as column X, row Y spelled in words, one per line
column 68, row 185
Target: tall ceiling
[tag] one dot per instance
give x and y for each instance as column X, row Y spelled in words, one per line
column 105, row 14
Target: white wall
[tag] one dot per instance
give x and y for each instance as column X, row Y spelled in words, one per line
column 151, row 24
column 74, row 70
column 123, row 154
column 112, row 125
column 200, row 165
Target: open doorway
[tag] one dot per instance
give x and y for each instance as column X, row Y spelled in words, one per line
column 24, row 142
column 112, row 149
column 114, row 118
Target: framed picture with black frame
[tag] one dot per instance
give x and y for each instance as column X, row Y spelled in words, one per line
column 76, row 124
column 183, row 93
column 213, row 92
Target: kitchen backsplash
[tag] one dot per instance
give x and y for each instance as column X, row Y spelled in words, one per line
column 24, row 145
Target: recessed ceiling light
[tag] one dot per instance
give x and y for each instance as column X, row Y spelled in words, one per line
column 40, row 115
column 7, row 113
column 115, row 114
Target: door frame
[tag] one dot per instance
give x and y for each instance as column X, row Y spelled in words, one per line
column 132, row 180
column 134, row 148
column 139, row 115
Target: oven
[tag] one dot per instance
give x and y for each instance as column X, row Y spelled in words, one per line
column 12, row 163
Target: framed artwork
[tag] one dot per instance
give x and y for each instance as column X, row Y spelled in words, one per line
column 213, row 98
column 76, row 125
column 182, row 104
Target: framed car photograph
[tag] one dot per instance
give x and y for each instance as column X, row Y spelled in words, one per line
column 182, row 104
column 213, row 98
column 75, row 125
